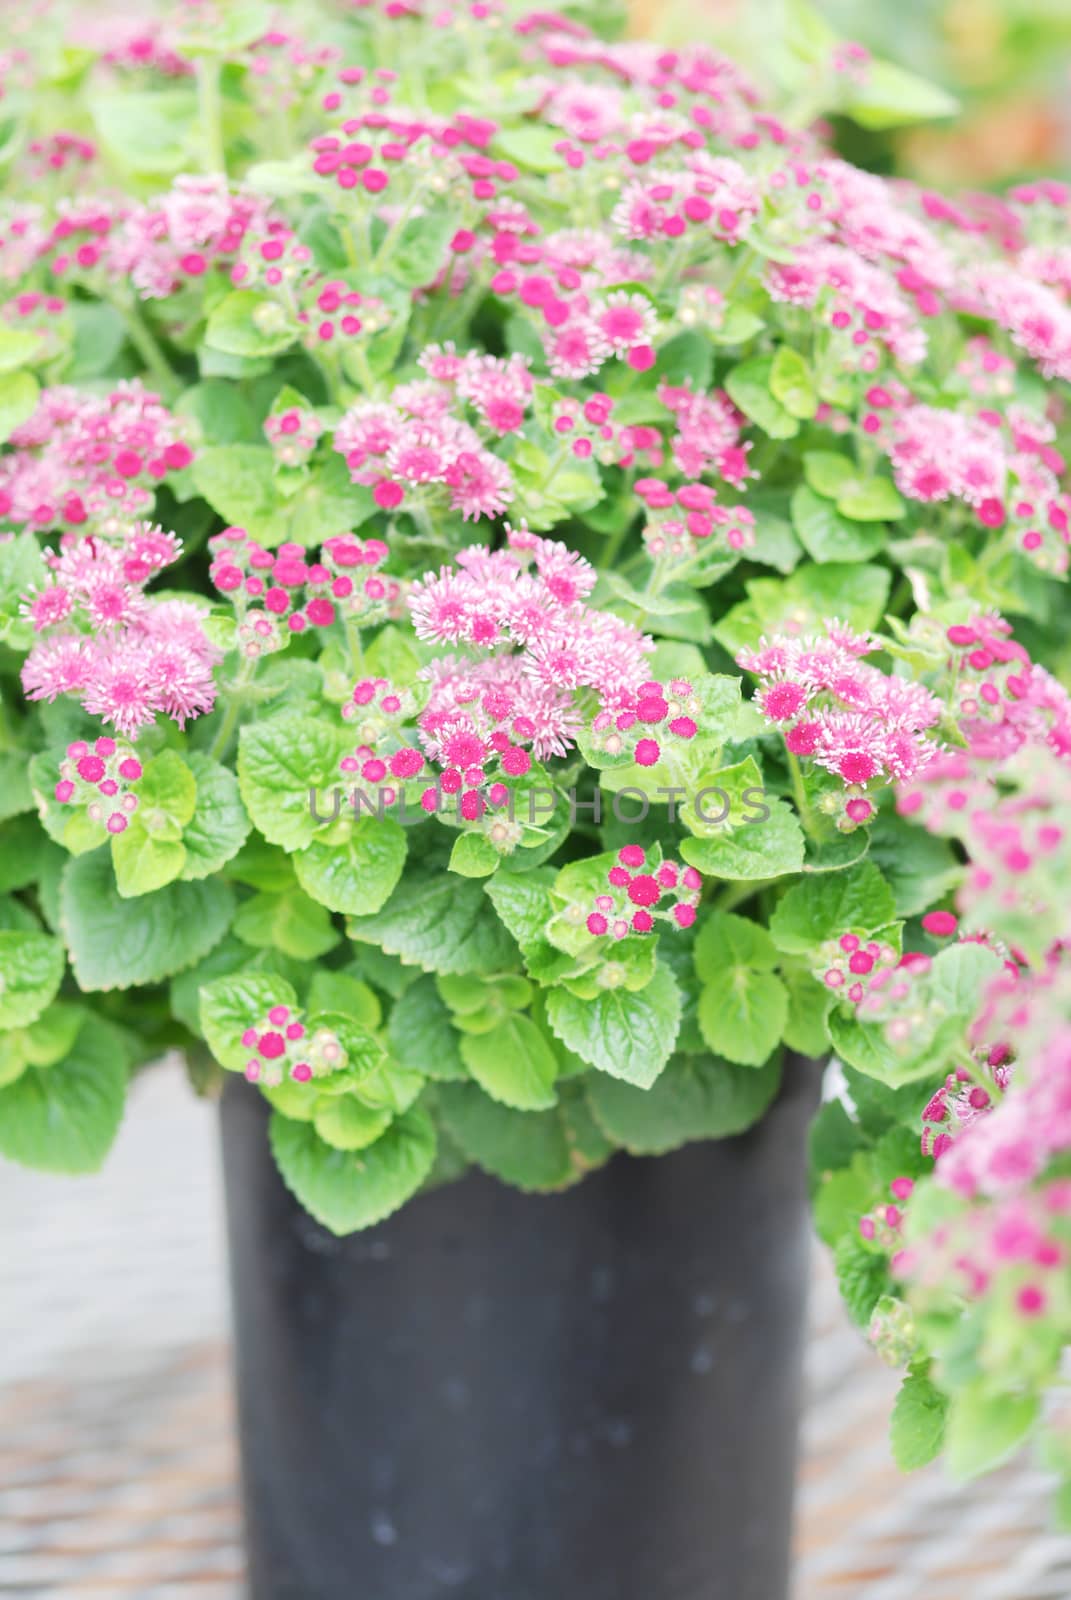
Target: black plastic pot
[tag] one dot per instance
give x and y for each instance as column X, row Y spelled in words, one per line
column 584, row 1396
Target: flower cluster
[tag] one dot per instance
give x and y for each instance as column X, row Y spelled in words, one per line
column 1001, row 464
column 281, row 1046
column 1012, row 1258
column 414, row 451
column 126, row 656
column 689, row 521
column 192, row 232
column 855, row 721
column 962, row 1100
column 279, row 593
column 637, row 892
column 883, row 1226
column 533, row 648
column 85, row 459
column 648, row 725
column 854, row 967
column 293, row 435
column 323, row 311
column 98, row 777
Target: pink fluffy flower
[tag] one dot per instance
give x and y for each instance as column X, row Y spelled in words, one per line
column 126, row 656
column 85, row 458
column 849, row 717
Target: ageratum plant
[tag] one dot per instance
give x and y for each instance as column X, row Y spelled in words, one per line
column 532, row 593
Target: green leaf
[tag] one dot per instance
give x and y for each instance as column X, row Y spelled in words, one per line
column 826, row 535
column 742, row 1014
column 919, row 868
column 686, row 359
column 42, row 1042
column 833, row 1139
column 230, row 1005
column 250, row 324
column 143, row 862
column 167, row 795
column 291, row 922
column 628, row 1034
column 19, row 394
column 474, row 856
column 828, row 472
column 222, row 413
column 24, row 849
column 808, row 1007
column 358, row 874
column 862, row 1045
column 523, row 901
column 343, row 1122
column 726, row 940
column 887, row 96
column 696, row 1097
column 31, row 968
column 326, row 502
column 985, row 1428
column 792, row 384
column 879, row 1107
column 281, row 763
column 147, row 131
column 22, row 569
column 391, row 1087
column 64, row 1117
column 420, row 1034
column 420, row 249
column 440, row 923
column 748, row 386
column 917, row 1428
column 752, row 851
column 117, row 944
column 99, row 335
column 875, row 500
column 16, row 795
column 861, row 1277
column 829, row 904
column 805, row 600
column 230, row 955
column 840, row 1199
column 514, row 1064
column 531, row 146
column 342, row 992
column 219, row 825
column 528, row 1149
column 347, row 1190
column 238, row 481
column 18, row 347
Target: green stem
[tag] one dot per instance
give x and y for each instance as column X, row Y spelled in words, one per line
column 150, row 350
column 354, row 647
column 903, row 597
column 612, row 548
column 235, row 705
column 734, row 894
column 210, row 115
column 799, row 794
column 359, row 357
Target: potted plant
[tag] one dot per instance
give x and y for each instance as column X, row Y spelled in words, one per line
column 502, row 665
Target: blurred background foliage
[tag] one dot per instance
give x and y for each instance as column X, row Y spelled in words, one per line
column 1007, row 63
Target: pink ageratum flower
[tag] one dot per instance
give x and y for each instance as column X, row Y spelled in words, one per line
column 126, row 656
column 849, row 717
column 643, row 892
column 83, row 458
